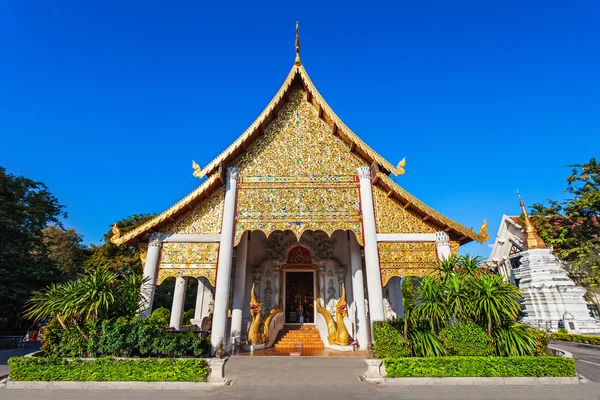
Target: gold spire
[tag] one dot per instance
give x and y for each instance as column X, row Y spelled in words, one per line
column 534, row 241
column 297, row 45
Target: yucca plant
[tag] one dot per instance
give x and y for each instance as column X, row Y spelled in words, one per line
column 514, row 339
column 426, row 344
column 494, row 300
column 432, row 303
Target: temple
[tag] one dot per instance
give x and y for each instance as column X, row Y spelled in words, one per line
column 298, row 223
column 551, row 299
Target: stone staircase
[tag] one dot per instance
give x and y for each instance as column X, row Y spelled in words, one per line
column 292, row 337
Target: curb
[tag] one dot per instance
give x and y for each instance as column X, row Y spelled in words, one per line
column 115, row 385
column 464, row 381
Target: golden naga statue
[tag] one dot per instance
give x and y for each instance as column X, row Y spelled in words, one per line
column 336, row 331
column 258, row 333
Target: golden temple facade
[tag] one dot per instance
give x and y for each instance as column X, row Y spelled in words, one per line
column 298, row 177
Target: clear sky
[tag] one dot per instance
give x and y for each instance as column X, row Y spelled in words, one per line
column 107, row 102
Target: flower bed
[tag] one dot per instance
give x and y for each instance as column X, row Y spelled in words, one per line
column 108, row 369
column 468, row 366
column 572, row 337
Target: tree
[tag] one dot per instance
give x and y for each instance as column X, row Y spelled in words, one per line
column 123, row 258
column 572, row 227
column 26, row 209
column 65, row 248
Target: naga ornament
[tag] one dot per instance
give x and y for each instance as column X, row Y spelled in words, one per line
column 258, row 333
column 336, row 330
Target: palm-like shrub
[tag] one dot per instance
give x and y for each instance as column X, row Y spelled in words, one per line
column 514, row 339
column 494, row 300
column 432, row 306
column 100, row 294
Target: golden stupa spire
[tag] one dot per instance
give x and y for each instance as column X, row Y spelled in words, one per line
column 297, row 45
column 533, row 241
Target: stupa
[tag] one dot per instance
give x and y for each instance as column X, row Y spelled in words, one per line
column 551, row 299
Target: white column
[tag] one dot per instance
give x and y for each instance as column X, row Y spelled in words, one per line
column 219, row 325
column 375, row 291
column 239, row 285
column 362, row 326
column 442, row 245
column 199, row 303
column 150, row 272
column 178, row 302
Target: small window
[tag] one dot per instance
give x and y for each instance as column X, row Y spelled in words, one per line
column 593, row 308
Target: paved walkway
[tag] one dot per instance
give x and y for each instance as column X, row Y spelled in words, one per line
column 291, row 378
column 587, row 357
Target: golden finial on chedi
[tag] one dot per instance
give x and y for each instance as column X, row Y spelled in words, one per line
column 336, row 331
column 400, row 167
column 483, row 231
column 258, row 333
column 197, row 170
column 116, row 233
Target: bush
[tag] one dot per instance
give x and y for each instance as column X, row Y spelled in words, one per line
column 572, row 337
column 469, row 366
column 389, row 341
column 467, row 339
column 187, row 316
column 161, row 315
column 541, row 342
column 122, row 338
column 107, row 369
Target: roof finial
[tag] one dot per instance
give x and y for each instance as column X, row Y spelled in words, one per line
column 534, row 241
column 297, row 45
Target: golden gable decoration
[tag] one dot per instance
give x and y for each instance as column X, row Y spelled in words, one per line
column 406, row 259
column 188, row 259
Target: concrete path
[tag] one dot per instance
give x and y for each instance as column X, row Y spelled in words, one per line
column 586, row 356
column 309, row 378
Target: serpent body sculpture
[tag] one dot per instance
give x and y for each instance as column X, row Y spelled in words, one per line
column 336, row 331
column 256, row 335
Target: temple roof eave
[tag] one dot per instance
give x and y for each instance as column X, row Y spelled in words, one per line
column 454, row 229
column 181, row 206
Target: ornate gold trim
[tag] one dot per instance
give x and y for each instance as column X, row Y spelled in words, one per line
column 177, row 207
column 459, row 230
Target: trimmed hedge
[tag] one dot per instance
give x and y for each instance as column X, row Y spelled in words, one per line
column 108, row 369
column 467, row 366
column 389, row 341
column 572, row 337
column 467, row 339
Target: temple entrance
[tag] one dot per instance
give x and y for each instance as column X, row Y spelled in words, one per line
column 299, row 297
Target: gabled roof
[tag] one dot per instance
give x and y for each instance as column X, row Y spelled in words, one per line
column 298, row 73
column 270, row 112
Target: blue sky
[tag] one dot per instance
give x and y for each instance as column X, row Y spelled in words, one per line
column 108, row 102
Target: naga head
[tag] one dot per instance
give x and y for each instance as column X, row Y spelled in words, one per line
column 255, row 306
column 341, row 306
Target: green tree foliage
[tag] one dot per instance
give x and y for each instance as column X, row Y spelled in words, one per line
column 572, row 227
column 123, row 258
column 26, row 208
column 65, row 248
